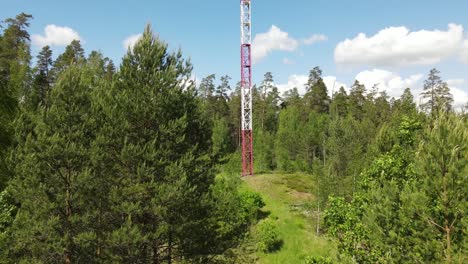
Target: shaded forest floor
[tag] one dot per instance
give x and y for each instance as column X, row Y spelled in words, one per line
column 291, row 204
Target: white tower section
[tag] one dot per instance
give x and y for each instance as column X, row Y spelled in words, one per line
column 246, row 88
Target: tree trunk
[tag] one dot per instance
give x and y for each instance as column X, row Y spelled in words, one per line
column 169, row 253
column 68, row 215
column 318, row 216
column 448, row 243
column 447, row 227
column 155, row 254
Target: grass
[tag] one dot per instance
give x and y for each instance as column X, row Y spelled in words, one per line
column 283, row 194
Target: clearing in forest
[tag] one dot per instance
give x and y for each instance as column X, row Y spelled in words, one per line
column 290, row 203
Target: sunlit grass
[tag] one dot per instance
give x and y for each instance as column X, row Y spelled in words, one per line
column 283, row 193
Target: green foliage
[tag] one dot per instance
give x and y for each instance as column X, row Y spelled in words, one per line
column 284, row 194
column 7, row 215
column 235, row 210
column 339, row 105
column 356, row 100
column 343, row 221
column 251, row 202
column 104, row 166
column 220, row 138
column 289, row 140
column 268, row 236
column 439, row 195
column 317, row 260
column 14, row 77
column 316, row 97
column 436, row 94
column 399, row 206
column 73, row 55
column 264, row 148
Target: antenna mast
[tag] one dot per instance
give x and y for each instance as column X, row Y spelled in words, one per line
column 246, row 88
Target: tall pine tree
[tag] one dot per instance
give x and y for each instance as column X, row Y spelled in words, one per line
column 161, row 147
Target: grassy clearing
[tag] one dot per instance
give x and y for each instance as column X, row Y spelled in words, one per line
column 285, row 196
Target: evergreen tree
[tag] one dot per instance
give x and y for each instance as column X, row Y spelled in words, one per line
column 316, row 96
column 161, row 147
column 74, row 54
column 273, row 100
column 207, row 86
column 356, row 100
column 110, row 69
column 14, row 81
column 314, row 76
column 42, row 80
column 53, row 179
column 405, row 104
column 339, row 105
column 234, row 119
column 220, row 137
column 439, row 197
column 266, row 104
column 289, row 139
column 436, row 93
column 224, row 88
column 291, row 97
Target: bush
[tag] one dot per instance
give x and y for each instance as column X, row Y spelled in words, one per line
column 317, row 260
column 268, row 237
column 251, row 203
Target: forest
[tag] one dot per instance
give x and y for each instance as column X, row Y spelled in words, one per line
column 136, row 163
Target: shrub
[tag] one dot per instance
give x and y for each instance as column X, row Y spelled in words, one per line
column 251, row 203
column 268, row 237
column 317, row 260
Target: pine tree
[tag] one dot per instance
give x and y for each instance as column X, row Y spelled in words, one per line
column 42, row 80
column 74, row 54
column 436, row 93
column 224, row 88
column 314, row 76
column 291, row 97
column 110, row 69
column 234, row 119
column 14, row 81
column 439, row 197
column 356, row 100
column 339, row 105
column 289, row 139
column 261, row 101
column 316, row 96
column 53, row 179
column 405, row 104
column 207, row 86
column 161, row 144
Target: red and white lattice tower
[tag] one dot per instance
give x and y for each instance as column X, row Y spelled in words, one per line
column 246, row 88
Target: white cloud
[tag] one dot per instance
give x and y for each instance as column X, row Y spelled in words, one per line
column 294, row 81
column 397, row 46
column 55, row 36
column 460, row 98
column 315, row 38
column 455, row 82
column 390, row 82
column 333, row 85
column 130, row 41
column 287, row 61
column 464, row 52
column 394, row 85
column 460, row 95
column 299, row 81
column 274, row 39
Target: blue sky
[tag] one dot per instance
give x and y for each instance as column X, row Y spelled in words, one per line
column 403, row 39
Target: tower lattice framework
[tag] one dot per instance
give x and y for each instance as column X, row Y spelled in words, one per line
column 246, row 88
